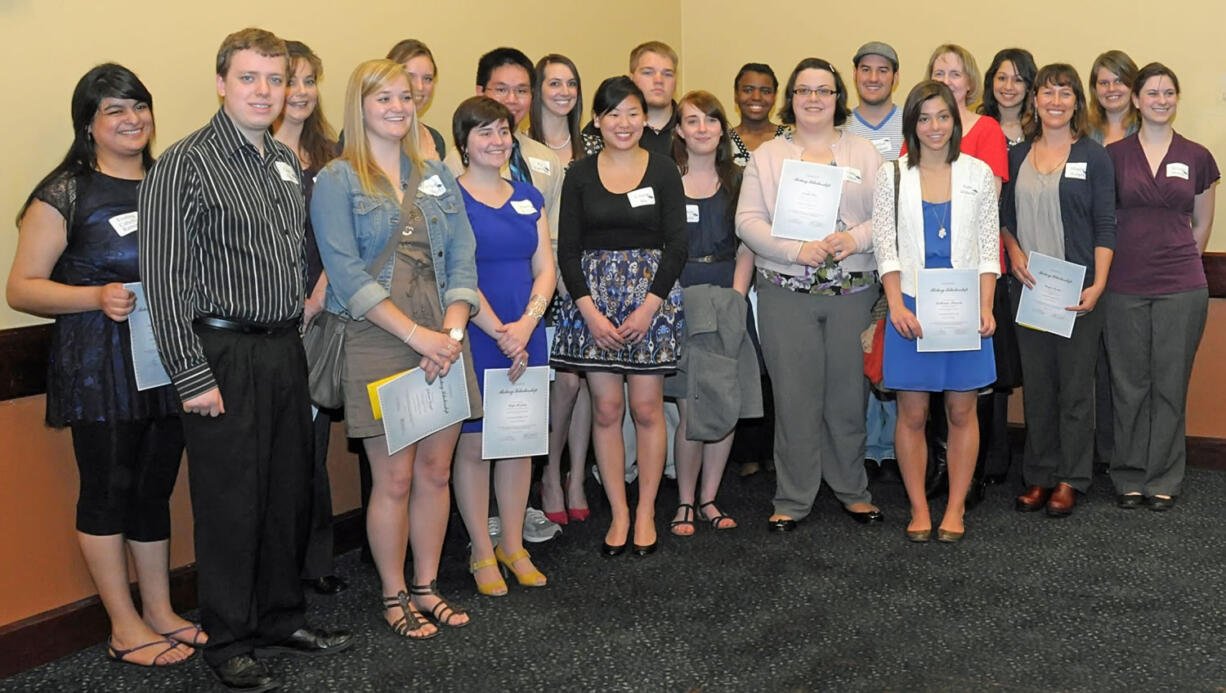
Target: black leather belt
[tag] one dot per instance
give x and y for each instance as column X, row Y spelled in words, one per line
column 246, row 327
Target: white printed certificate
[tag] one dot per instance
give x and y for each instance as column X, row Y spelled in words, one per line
column 413, row 409
column 947, row 307
column 807, row 203
column 516, row 422
column 1057, row 285
column 145, row 360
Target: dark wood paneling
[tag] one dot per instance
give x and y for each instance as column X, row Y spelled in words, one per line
column 23, row 361
column 60, row 632
column 1215, row 272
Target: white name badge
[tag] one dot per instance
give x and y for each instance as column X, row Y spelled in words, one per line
column 691, row 214
column 432, row 186
column 540, row 166
column 524, row 207
column 1075, row 169
column 883, row 145
column 641, row 197
column 852, row 175
column 286, row 171
column 124, row 224
column 1177, row 170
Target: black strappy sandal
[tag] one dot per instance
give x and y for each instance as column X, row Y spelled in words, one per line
column 715, row 521
column 687, row 519
column 410, row 622
column 443, row 613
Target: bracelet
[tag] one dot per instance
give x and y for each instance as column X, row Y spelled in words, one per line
column 536, row 307
column 411, row 333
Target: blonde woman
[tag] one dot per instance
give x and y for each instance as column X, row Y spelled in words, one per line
column 399, row 253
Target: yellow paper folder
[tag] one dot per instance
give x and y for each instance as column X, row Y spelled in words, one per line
column 372, row 390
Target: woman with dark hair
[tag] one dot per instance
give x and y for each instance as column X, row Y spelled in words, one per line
column 76, row 251
column 703, row 152
column 946, row 218
column 1059, row 202
column 1113, row 115
column 305, row 130
column 755, row 88
column 1007, row 95
column 418, row 62
column 398, row 250
column 557, row 105
column 814, row 299
column 1157, row 295
column 516, row 274
column 621, row 247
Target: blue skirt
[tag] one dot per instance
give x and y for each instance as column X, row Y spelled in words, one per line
column 906, row 368
column 618, row 282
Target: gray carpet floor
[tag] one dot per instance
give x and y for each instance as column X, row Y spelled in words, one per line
column 1105, row 600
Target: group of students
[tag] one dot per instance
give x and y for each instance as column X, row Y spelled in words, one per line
column 662, row 214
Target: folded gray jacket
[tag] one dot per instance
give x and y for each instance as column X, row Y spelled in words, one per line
column 718, row 372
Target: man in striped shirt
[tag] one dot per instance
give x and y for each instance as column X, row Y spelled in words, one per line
column 221, row 254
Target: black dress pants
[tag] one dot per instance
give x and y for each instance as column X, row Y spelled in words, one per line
column 251, row 472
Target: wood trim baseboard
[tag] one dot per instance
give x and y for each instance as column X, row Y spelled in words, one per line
column 57, row 633
column 23, row 361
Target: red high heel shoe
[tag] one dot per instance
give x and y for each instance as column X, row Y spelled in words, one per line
column 558, row 518
column 578, row 514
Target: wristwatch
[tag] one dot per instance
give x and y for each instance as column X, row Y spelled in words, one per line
column 457, row 334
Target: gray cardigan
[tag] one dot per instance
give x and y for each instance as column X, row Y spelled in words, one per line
column 1087, row 205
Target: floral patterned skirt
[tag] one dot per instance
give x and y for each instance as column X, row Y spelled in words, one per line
column 618, row 282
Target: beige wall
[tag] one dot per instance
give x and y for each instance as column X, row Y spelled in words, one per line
column 49, row 44
column 718, row 36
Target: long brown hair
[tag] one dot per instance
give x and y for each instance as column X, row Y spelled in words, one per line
column 1119, row 64
column 535, row 131
column 318, row 138
column 726, row 170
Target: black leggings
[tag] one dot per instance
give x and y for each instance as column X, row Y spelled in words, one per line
column 128, row 470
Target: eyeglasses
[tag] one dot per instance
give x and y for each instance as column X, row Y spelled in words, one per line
column 820, row 92
column 503, row 91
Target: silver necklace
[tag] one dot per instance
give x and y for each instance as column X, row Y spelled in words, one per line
column 564, row 145
column 941, row 232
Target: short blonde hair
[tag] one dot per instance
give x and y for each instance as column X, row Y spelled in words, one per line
column 261, row 41
column 973, row 75
column 366, row 79
column 657, row 47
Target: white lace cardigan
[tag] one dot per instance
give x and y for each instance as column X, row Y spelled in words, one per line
column 974, row 221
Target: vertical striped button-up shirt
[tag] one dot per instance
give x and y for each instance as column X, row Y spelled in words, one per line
column 221, row 233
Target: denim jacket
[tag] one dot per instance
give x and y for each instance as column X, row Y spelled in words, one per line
column 352, row 228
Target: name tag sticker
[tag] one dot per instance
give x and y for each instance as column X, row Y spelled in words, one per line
column 524, row 207
column 641, row 197
column 1177, row 170
column 286, row 172
column 124, row 224
column 852, row 175
column 432, row 186
column 540, row 166
column 969, row 190
column 883, row 145
column 691, row 214
column 1075, row 169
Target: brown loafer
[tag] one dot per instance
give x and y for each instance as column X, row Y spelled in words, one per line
column 1061, row 501
column 1033, row 499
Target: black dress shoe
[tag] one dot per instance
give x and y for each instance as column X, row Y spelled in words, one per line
column 311, row 642
column 1159, row 505
column 994, row 479
column 609, row 551
column 872, row 468
column 1129, row 501
column 890, row 474
column 786, row 524
column 244, row 673
column 645, row 550
column 865, row 517
column 328, row 584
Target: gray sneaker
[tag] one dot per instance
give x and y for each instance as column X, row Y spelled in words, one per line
column 538, row 528
column 495, row 529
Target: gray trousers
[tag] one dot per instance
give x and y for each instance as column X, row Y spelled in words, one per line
column 1152, row 343
column 811, row 345
column 1058, row 398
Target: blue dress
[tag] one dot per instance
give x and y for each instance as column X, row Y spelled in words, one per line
column 906, row 368
column 506, row 240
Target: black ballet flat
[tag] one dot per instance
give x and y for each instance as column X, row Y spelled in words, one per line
column 610, row 551
column 786, row 524
column 866, row 517
column 645, row 550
